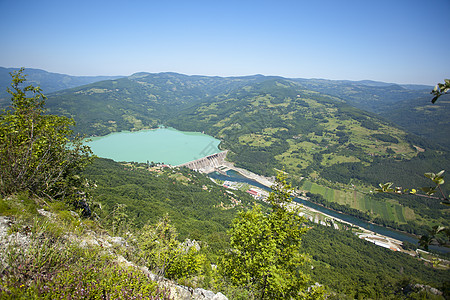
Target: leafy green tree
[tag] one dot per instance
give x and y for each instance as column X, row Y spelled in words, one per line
column 439, row 234
column 119, row 218
column 265, row 255
column 38, row 151
column 164, row 254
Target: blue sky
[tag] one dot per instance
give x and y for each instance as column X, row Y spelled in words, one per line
column 393, row 41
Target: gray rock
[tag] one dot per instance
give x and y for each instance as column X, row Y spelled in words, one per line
column 219, row 296
column 202, row 294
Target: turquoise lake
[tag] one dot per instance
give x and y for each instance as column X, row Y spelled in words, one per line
column 164, row 145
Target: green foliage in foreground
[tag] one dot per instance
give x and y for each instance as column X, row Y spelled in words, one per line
column 165, row 255
column 347, row 266
column 37, row 151
column 440, row 89
column 265, row 250
column 47, row 264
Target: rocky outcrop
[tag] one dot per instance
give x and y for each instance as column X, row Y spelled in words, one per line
column 90, row 238
column 177, row 292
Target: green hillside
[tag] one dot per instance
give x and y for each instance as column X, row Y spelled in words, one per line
column 405, row 105
column 368, row 95
column 199, row 208
column 271, row 123
column 363, row 269
column 140, row 101
column 421, row 117
column 402, row 104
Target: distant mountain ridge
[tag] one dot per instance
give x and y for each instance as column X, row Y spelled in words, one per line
column 368, row 95
column 400, row 103
column 48, row 81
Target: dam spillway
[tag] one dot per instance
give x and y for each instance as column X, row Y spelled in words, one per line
column 208, row 163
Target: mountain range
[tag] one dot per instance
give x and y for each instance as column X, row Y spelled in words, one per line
column 335, row 140
column 49, row 82
column 337, row 134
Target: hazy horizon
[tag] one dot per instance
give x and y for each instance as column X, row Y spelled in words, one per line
column 396, row 42
column 270, row 75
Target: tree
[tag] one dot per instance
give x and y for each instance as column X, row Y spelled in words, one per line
column 38, row 152
column 433, row 236
column 265, row 253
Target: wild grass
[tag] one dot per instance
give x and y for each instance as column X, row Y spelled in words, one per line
column 44, row 261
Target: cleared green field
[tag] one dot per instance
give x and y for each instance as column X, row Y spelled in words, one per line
column 363, row 202
column 399, row 212
column 307, row 185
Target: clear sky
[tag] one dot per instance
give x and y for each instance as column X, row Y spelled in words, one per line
column 402, row 41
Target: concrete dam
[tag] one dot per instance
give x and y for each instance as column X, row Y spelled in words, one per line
column 208, row 163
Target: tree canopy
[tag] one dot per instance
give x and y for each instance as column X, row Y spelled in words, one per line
column 265, row 253
column 38, row 152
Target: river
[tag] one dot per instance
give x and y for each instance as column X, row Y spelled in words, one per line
column 235, row 176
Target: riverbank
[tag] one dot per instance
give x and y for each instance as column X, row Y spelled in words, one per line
column 311, row 213
column 266, row 181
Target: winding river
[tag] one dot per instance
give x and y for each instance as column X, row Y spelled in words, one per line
column 235, row 176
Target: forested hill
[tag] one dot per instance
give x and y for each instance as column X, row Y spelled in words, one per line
column 139, row 101
column 406, row 105
column 368, row 95
column 422, row 117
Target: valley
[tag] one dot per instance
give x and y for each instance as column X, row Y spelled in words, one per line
column 333, row 153
column 308, row 127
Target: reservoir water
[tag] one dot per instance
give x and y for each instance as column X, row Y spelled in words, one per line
column 163, row 145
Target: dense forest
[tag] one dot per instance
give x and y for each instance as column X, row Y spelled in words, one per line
column 355, row 269
column 199, row 209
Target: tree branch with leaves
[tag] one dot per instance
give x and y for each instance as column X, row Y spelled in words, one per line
column 428, row 191
column 440, row 89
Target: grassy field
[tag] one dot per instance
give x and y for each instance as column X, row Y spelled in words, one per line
column 388, row 210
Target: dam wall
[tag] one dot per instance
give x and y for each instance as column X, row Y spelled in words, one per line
column 206, row 164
